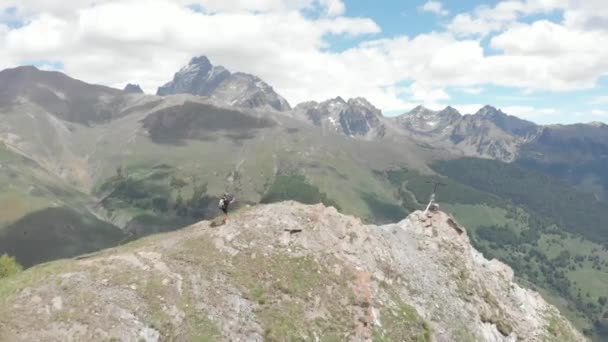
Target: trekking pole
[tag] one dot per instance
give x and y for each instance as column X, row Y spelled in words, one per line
column 432, row 199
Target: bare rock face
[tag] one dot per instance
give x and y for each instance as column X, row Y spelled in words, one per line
column 283, row 272
column 133, row 89
column 202, row 78
column 422, row 120
column 356, row 117
column 489, row 133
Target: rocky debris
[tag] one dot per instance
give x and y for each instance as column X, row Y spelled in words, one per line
column 251, row 279
column 202, row 78
column 355, row 117
column 133, row 89
column 425, row 121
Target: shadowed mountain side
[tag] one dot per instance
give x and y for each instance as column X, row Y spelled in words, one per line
column 193, row 120
column 56, row 233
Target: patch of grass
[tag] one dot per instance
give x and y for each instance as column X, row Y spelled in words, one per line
column 203, row 330
column 9, row 266
column 591, row 281
column 401, row 322
column 36, row 274
column 284, row 322
column 557, row 331
column 464, row 335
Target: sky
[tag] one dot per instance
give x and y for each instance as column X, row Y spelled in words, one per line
column 542, row 60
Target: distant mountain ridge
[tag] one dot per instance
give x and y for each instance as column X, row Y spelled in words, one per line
column 489, row 133
column 67, row 98
column 133, row 89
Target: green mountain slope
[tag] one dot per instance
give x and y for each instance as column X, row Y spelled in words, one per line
column 42, row 217
column 553, row 236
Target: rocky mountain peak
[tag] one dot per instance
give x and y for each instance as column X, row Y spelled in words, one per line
column 597, row 124
column 422, row 120
column 420, row 110
column 508, row 123
column 133, row 89
column 356, row 117
column 489, row 111
column 363, row 103
column 449, row 111
column 281, row 272
column 338, row 99
column 239, row 89
column 201, row 62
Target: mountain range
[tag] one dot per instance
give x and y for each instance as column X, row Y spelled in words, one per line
column 83, row 167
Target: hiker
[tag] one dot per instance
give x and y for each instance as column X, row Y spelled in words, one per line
column 225, row 201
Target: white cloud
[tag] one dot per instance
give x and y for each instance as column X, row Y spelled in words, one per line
column 600, row 100
column 426, row 94
column 534, row 114
column 66, row 8
column 468, row 108
column 485, row 19
column 285, row 42
column 112, row 43
column 434, row 7
column 600, row 112
column 472, row 90
column 333, row 7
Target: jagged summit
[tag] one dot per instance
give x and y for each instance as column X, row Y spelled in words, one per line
column 356, row 117
column 422, row 120
column 509, row 123
column 284, row 271
column 133, row 89
column 201, row 61
column 419, row 110
column 239, row 89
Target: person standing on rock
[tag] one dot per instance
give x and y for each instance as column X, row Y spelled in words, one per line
column 225, row 201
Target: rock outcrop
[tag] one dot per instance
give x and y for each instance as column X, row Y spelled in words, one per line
column 283, row 272
column 355, row 118
column 489, row 133
column 133, row 89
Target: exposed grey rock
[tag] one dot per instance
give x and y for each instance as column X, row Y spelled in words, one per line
column 252, row 280
column 489, row 133
column 202, row 78
column 508, row 123
column 426, row 121
column 356, row 117
column 133, row 89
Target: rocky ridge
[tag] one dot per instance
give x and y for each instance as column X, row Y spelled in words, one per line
column 355, row 117
column 238, row 89
column 282, row 272
column 489, row 133
column 133, row 89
